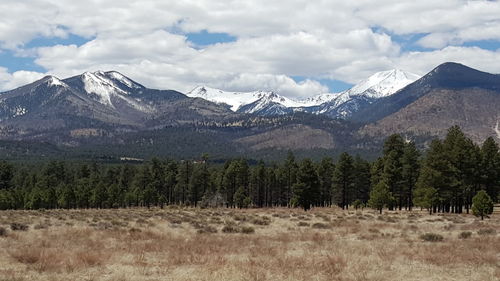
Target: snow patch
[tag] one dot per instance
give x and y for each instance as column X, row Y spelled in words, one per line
column 236, row 100
column 384, row 83
column 54, row 81
column 96, row 83
column 497, row 130
column 123, row 79
column 19, row 111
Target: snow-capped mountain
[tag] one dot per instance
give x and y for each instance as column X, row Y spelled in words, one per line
column 257, row 102
column 95, row 99
column 336, row 105
column 236, row 100
column 379, row 85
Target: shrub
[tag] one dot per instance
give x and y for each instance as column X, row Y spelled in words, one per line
column 41, row 226
column 303, row 223
column 320, row 225
column 18, row 226
column 207, row 229
column 487, row 231
column 239, row 217
column 229, row 228
column 465, row 235
column 431, row 237
column 247, row 229
column 261, row 221
column 3, row 231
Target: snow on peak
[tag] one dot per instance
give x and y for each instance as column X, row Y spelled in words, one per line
column 234, row 99
column 54, row 81
column 384, row 83
column 122, row 79
column 238, row 99
column 97, row 83
column 320, row 99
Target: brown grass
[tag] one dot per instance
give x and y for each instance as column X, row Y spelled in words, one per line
column 253, row 244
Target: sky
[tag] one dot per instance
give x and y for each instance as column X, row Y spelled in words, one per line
column 296, row 48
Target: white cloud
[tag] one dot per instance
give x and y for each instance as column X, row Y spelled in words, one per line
column 9, row 81
column 276, row 40
column 423, row 62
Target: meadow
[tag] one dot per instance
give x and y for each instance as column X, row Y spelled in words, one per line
column 246, row 244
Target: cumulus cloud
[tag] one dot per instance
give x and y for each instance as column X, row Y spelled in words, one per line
column 9, row 81
column 277, row 40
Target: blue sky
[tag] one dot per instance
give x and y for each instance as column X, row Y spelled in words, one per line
column 241, row 46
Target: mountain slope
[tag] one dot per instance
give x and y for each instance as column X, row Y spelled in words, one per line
column 257, row 102
column 341, row 105
column 98, row 103
column 379, row 85
column 445, row 76
column 451, row 94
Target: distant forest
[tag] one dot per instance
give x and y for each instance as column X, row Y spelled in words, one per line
column 443, row 178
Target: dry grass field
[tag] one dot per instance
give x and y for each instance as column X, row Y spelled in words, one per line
column 255, row 244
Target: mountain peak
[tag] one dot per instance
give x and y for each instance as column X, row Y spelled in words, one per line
column 383, row 83
column 53, row 81
column 452, row 75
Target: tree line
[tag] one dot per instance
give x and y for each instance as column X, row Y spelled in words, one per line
column 443, row 178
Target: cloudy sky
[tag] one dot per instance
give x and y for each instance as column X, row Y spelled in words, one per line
column 298, row 48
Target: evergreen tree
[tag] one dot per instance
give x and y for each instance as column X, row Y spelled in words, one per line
column 325, row 176
column 410, row 170
column 199, row 183
column 490, row 168
column 258, row 184
column 6, row 175
column 343, row 181
column 482, row 205
column 380, row 196
column 425, row 197
column 392, row 173
column 362, row 180
column 183, row 178
column 306, row 189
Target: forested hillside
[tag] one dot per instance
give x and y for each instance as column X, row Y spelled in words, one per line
column 442, row 179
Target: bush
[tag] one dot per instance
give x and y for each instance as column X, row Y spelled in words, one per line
column 240, row 217
column 320, row 225
column 465, row 235
column 229, row 228
column 19, row 226
column 487, row 231
column 3, row 231
column 303, row 223
column 247, row 230
column 207, row 229
column 431, row 237
column 261, row 221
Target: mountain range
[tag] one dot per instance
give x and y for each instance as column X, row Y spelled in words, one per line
column 107, row 113
column 337, row 105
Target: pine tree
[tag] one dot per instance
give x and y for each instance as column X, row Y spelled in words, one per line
column 6, row 175
column 410, row 170
column 490, row 168
column 482, row 205
column 183, row 177
column 325, row 175
column 288, row 178
column 199, row 183
column 390, row 169
column 258, row 184
column 306, row 189
column 425, row 197
column 380, row 196
column 343, row 180
column 362, row 180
